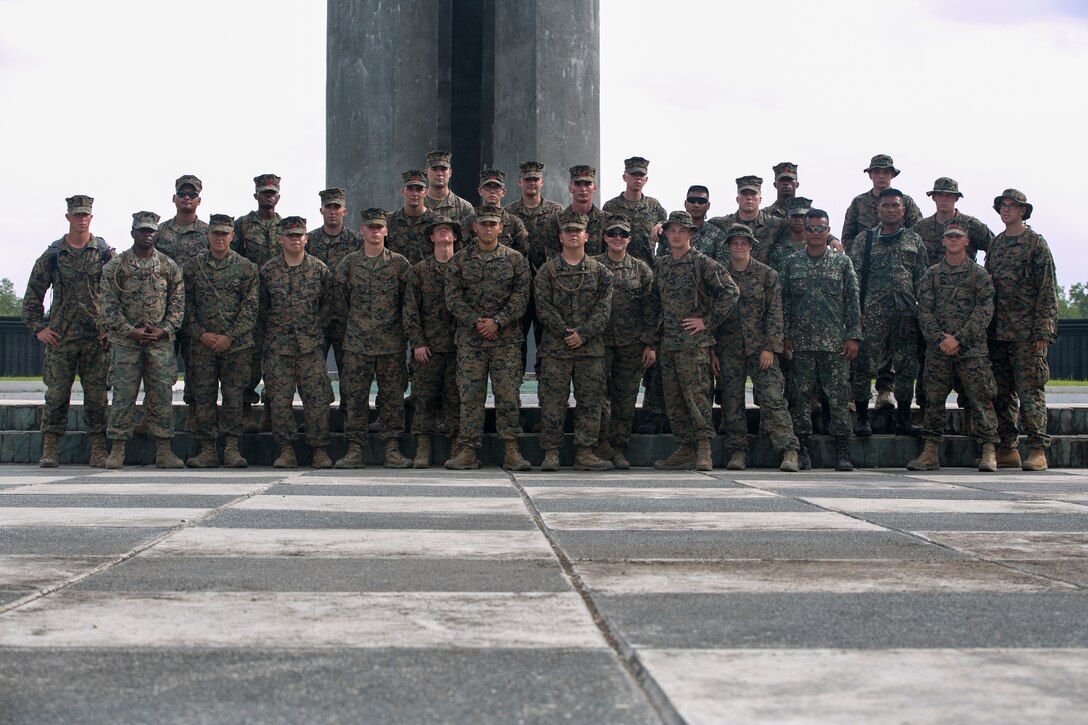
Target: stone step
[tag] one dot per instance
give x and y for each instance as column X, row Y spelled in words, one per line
column 879, row 451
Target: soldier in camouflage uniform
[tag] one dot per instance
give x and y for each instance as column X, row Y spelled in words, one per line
column 296, row 300
column 370, row 293
column 222, row 293
column 822, row 332
column 1025, row 323
column 72, row 267
column 440, row 199
column 143, row 307
column 331, row 242
column 889, row 260
column 407, row 225
column 487, row 289
column 955, row 305
column 492, row 189
column 748, row 343
column 707, row 237
column 256, row 237
column 628, row 339
column 574, row 301
column 644, row 212
column 583, row 185
column 696, row 295
column 785, row 183
column 767, row 229
column 430, row 326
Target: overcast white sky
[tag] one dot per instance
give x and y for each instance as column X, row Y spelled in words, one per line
column 119, row 97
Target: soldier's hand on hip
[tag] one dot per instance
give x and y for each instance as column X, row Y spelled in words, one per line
column 49, row 337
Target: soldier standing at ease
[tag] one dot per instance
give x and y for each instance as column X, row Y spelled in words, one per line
column 823, row 331
column 748, row 343
column 628, row 339
column 256, row 237
column 331, row 242
column 406, row 232
column 430, row 327
column 574, row 301
column 707, row 237
column 492, row 189
column 583, row 185
column 222, row 293
column 955, row 305
column 370, row 294
column 696, row 296
column 1025, row 323
column 72, row 266
column 766, row 229
column 487, row 289
column 645, row 213
column 440, row 199
column 785, row 183
column 296, row 297
column 143, row 307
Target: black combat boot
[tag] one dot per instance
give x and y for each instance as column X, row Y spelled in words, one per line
column 842, row 454
column 864, row 428
column 804, row 460
column 903, row 425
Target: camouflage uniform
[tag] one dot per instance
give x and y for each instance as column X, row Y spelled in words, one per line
column 931, row 231
column 957, row 301
column 1025, row 310
column 331, row 250
column 577, row 297
column 408, row 234
column 452, row 207
column 137, row 292
column 429, row 323
column 643, row 215
column 258, row 241
column 862, row 214
column 74, row 275
column 536, row 225
column 595, row 240
column 635, row 317
column 514, row 234
column 707, row 239
column 221, row 297
column 889, row 307
column 754, row 325
column 295, row 308
column 692, row 286
column 182, row 242
column 767, row 230
column 492, row 284
column 820, row 312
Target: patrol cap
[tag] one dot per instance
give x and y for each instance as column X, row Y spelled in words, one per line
column 882, row 161
column 753, row 183
column 438, row 157
column 531, row 170
column 440, row 221
column 945, row 185
column 79, row 204
column 679, row 217
column 740, row 230
column 583, row 172
column 488, row 213
column 569, row 219
column 292, row 225
column 267, row 182
column 1016, row 196
column 414, row 177
column 373, row 217
column 190, row 180
column 798, row 206
column 221, row 223
column 636, row 165
column 786, row 169
column 953, row 230
column 145, row 220
column 617, row 221
column 492, row 176
column 335, row 195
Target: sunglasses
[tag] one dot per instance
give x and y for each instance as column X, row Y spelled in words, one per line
column 816, row 228
column 617, row 233
column 187, row 194
column 698, row 200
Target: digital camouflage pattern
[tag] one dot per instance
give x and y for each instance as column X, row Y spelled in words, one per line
column 296, row 305
column 307, row 371
column 330, row 248
column 594, row 230
column 692, row 286
column 707, row 239
column 896, row 265
column 452, row 207
column 1020, row 373
column 862, row 214
column 975, row 377
column 206, row 373
column 360, row 370
column 684, row 376
column 768, row 232
column 536, row 225
column 257, row 239
column 557, row 375
column 432, row 382
column 502, row 364
column 157, row 367
column 137, row 292
column 514, row 234
column 643, row 215
column 820, row 301
column 755, row 323
column 931, row 232
column 407, row 235
column 491, row 284
column 182, row 242
column 827, row 373
column 429, row 323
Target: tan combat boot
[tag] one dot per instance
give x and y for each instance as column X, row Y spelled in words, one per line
column 207, row 458
column 98, row 450
column 512, row 460
column 789, row 462
column 50, row 451
column 393, row 457
column 248, row 424
column 605, row 450
column 737, row 461
column 423, row 452
column 232, row 457
column 353, row 458
column 1036, row 460
column 927, row 460
column 464, row 460
column 884, row 400
column 551, row 460
column 164, row 454
column 704, row 461
column 683, row 457
column 265, row 426
column 287, row 457
column 321, row 459
column 620, row 461
column 1008, row 458
column 988, row 460
column 116, row 459
column 586, row 460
